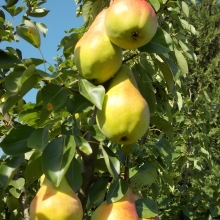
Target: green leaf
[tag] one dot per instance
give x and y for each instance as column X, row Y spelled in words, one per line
column 8, row 60
column 179, row 100
column 168, row 180
column 155, row 4
column 94, row 94
column 77, row 104
column 15, row 143
column 97, row 191
column 144, row 179
column 13, row 79
column 146, row 208
column 112, row 162
column 185, row 8
column 153, row 47
column 74, row 175
column 166, row 71
column 10, row 3
column 86, row 8
column 39, row 12
column 214, row 210
column 33, row 170
column 30, row 61
column 30, row 34
column 96, row 133
column 83, row 145
column 181, row 61
column 162, row 38
column 54, row 97
column 8, row 169
column 44, row 116
column 116, row 191
column 42, row 28
column 145, row 86
column 164, row 148
column 18, row 184
column 15, row 192
column 13, row 10
column 57, row 157
column 163, row 125
column 27, row 85
column 39, row 139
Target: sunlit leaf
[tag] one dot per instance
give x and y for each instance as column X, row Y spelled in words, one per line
column 94, row 94
column 30, row 34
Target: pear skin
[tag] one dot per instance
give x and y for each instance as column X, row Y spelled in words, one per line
column 122, row 209
column 56, row 203
column 136, row 23
column 96, row 57
column 125, row 115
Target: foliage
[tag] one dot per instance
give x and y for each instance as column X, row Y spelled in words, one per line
column 175, row 164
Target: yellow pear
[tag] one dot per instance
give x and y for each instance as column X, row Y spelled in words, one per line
column 123, row 209
column 125, row 116
column 130, row 23
column 55, row 203
column 96, row 57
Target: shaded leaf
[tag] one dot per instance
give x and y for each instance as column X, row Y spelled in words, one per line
column 39, row 139
column 97, row 191
column 116, row 191
column 8, row 168
column 15, row 143
column 153, row 47
column 146, row 208
column 163, row 125
column 142, row 180
column 57, row 157
column 74, row 175
column 54, row 97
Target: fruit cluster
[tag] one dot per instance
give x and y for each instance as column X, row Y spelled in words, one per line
column 125, row 24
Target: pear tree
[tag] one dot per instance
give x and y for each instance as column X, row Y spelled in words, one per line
column 67, row 134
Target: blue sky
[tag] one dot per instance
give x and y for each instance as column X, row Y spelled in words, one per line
column 62, row 16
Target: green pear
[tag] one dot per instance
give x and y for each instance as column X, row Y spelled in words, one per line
column 55, row 203
column 96, row 57
column 123, row 209
column 130, row 23
column 125, row 116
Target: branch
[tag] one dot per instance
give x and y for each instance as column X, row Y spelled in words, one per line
column 127, row 166
column 24, row 204
column 129, row 58
column 88, row 167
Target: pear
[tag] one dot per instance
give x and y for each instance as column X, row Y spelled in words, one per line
column 55, row 203
column 125, row 115
column 123, row 209
column 130, row 23
column 96, row 57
